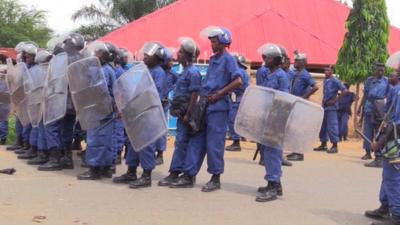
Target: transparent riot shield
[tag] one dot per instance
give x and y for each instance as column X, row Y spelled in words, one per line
column 56, row 89
column 15, row 75
column 279, row 120
column 138, row 101
column 89, row 92
column 34, row 85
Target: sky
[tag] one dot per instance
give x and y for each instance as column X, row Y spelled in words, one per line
column 59, row 12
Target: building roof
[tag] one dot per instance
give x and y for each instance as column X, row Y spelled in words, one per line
column 315, row 27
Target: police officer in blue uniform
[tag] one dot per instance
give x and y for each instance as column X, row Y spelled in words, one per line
column 389, row 196
column 59, row 134
column 344, row 113
column 145, row 157
column 303, row 86
column 42, row 57
column 330, row 124
column 277, row 79
column 28, row 57
column 187, row 89
column 376, row 89
column 161, row 145
column 223, row 76
column 236, row 96
column 100, row 153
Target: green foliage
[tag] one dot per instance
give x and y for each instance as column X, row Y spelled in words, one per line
column 365, row 41
column 11, row 130
column 108, row 15
column 18, row 23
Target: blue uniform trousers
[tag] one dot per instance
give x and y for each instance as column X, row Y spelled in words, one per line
column 232, row 117
column 181, row 143
column 343, row 118
column 67, row 131
column 390, row 188
column 161, row 144
column 3, row 130
column 33, row 136
column 210, row 142
column 370, row 128
column 145, row 157
column 272, row 163
column 52, row 135
column 100, row 146
column 330, row 127
column 18, row 127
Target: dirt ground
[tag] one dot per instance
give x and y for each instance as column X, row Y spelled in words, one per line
column 322, row 190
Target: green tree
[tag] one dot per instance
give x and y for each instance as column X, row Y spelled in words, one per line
column 108, row 15
column 18, row 23
column 365, row 42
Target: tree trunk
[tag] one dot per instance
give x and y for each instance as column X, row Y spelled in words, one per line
column 355, row 116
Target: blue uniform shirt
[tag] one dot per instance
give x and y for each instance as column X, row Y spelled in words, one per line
column 261, row 74
column 222, row 70
column 394, row 99
column 189, row 81
column 171, row 81
column 332, row 86
column 277, row 80
column 160, row 79
column 344, row 104
column 118, row 71
column 301, row 83
column 374, row 89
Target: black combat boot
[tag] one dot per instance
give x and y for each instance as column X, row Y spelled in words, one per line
column 381, row 213
column 213, row 185
column 94, row 173
column 127, row 177
column 3, row 141
column 265, row 188
column 270, row 193
column 108, row 171
column 54, row 161
column 17, row 145
column 25, row 148
column 143, row 181
column 295, row 157
column 234, row 147
column 30, row 154
column 184, row 181
column 377, row 163
column 393, row 220
column 168, row 180
column 322, row 148
column 333, row 149
column 41, row 158
column 66, row 160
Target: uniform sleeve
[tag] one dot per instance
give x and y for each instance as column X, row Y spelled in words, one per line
column 310, row 81
column 259, row 76
column 195, row 81
column 232, row 68
column 283, row 83
column 340, row 85
column 159, row 80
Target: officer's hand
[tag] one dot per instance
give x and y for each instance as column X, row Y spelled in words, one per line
column 185, row 119
column 331, row 102
column 375, row 147
column 214, row 97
